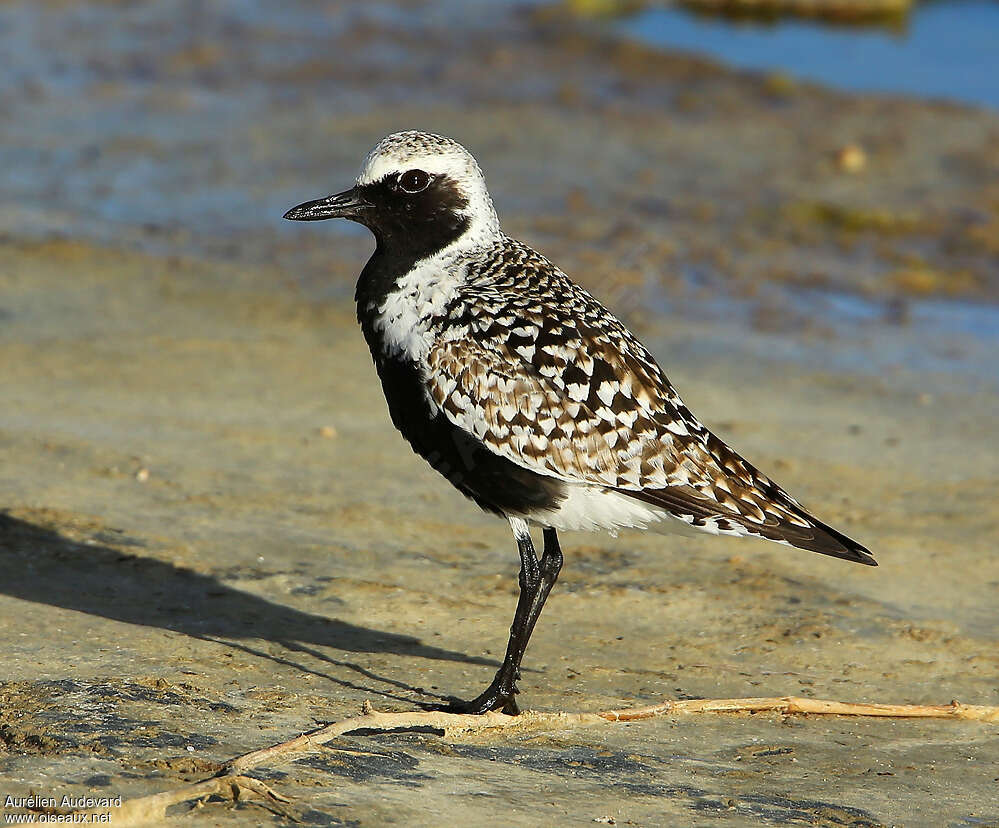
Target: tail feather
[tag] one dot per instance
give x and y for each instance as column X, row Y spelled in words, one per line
column 818, row 537
column 701, row 512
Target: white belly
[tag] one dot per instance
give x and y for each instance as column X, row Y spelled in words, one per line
column 591, row 509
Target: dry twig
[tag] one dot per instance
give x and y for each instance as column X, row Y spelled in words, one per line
column 232, row 783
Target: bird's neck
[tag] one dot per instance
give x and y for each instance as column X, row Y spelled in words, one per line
column 399, row 299
column 398, row 256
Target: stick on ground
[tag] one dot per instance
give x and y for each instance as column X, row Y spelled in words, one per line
column 232, row 783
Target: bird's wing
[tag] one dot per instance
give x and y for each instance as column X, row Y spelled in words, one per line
column 561, row 387
column 546, row 398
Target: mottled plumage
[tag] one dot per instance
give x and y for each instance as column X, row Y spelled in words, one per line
column 543, row 375
column 521, row 388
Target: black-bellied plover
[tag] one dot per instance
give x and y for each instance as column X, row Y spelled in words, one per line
column 525, row 392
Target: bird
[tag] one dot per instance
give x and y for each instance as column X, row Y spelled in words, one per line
column 525, row 392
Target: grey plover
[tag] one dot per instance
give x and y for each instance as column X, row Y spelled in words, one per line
column 525, row 392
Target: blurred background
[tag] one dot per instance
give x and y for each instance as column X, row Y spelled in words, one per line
column 842, row 179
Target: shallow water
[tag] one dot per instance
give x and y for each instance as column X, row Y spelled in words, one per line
column 946, row 50
column 187, row 130
column 947, row 345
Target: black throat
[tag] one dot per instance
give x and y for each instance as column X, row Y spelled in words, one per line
column 407, row 228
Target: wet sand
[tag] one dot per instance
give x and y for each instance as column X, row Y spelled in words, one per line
column 214, row 539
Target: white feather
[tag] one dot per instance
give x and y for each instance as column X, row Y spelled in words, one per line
column 405, row 317
column 591, row 508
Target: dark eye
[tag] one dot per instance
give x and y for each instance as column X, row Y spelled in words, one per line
column 413, row 181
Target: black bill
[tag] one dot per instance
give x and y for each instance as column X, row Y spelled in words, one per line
column 342, row 205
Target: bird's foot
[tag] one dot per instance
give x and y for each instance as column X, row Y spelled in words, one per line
column 494, row 698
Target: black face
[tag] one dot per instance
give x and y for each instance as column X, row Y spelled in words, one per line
column 413, row 214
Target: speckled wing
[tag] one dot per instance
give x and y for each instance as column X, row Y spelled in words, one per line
column 546, row 377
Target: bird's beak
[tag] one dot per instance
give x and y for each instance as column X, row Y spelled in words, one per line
column 347, row 204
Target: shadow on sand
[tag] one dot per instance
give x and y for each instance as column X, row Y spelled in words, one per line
column 43, row 566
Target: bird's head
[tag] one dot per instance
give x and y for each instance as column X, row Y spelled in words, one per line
column 418, row 193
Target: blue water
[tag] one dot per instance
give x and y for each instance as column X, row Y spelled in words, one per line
column 948, row 50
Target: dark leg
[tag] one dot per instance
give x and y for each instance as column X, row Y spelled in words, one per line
column 536, row 580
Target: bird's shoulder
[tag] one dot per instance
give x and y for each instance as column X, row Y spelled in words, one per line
column 515, row 302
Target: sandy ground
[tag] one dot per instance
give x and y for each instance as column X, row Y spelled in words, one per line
column 213, row 539
column 263, row 577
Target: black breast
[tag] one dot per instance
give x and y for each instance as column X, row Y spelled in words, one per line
column 493, row 482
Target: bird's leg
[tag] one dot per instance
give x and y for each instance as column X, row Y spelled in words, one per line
column 536, row 580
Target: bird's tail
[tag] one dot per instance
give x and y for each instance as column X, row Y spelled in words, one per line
column 816, row 537
column 798, row 529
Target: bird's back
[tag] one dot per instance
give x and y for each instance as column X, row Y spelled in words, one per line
column 541, row 374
